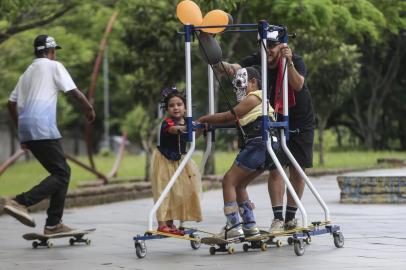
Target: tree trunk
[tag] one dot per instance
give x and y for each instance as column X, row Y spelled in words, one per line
column 321, row 125
column 339, row 137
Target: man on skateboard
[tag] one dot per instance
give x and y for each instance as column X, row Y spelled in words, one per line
column 32, row 105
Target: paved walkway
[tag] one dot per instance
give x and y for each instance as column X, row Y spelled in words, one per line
column 375, row 237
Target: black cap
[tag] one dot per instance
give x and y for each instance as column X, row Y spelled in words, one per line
column 43, row 42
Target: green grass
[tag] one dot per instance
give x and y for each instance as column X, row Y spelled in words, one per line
column 25, row 174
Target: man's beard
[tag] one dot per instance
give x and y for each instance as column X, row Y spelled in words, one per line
column 272, row 63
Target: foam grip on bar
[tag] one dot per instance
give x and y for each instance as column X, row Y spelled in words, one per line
column 209, row 48
column 215, row 17
column 188, row 12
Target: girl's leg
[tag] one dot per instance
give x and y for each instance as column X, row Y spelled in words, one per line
column 246, row 207
column 231, row 180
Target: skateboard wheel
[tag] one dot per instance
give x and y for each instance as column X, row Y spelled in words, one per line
column 140, row 249
column 230, row 250
column 49, row 244
column 308, row 240
column 71, row 241
column 88, row 241
column 212, row 250
column 278, row 243
column 290, row 241
column 264, row 246
column 338, row 239
column 299, row 247
column 35, row 244
column 245, row 247
column 195, row 244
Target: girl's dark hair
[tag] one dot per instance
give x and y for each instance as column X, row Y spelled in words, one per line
column 171, row 95
column 254, row 73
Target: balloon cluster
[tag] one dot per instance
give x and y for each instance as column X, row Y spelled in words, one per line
column 188, row 12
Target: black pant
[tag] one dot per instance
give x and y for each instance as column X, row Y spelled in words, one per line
column 50, row 154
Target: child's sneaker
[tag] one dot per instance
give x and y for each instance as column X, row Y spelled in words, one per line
column 228, row 233
column 291, row 224
column 18, row 211
column 277, row 226
column 251, row 232
column 167, row 229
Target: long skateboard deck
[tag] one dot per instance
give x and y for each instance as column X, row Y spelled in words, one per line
column 44, row 240
column 264, row 235
column 183, row 237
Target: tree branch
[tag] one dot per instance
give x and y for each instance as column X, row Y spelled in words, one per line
column 19, row 28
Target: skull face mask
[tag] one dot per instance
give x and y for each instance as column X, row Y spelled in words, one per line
column 240, row 83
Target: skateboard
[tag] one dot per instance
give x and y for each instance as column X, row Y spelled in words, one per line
column 225, row 245
column 44, row 240
column 261, row 241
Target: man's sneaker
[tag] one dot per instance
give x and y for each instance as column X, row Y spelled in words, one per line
column 60, row 228
column 251, row 232
column 277, row 226
column 291, row 224
column 18, row 211
column 231, row 233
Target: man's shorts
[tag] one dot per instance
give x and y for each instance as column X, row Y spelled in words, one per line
column 301, row 146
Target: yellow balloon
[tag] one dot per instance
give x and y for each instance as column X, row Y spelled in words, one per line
column 188, row 12
column 215, row 17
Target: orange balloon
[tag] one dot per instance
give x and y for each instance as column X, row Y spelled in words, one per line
column 188, row 12
column 215, row 17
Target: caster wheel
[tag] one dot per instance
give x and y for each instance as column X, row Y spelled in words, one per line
column 299, row 247
column 290, row 241
column 140, row 249
column 49, row 244
column 71, row 241
column 245, row 247
column 308, row 240
column 212, row 250
column 230, row 250
column 195, row 244
column 264, row 247
column 278, row 243
column 88, row 241
column 338, row 239
column 35, row 244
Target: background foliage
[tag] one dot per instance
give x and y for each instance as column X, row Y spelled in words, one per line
column 354, row 50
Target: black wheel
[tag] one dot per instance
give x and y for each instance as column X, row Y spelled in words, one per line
column 245, row 247
column 195, row 244
column 299, row 247
column 212, row 250
column 140, row 249
column 35, row 244
column 71, row 241
column 338, row 239
column 290, row 241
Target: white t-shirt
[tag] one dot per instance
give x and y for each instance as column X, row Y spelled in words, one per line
column 36, row 95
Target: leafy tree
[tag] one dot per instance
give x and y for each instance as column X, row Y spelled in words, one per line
column 20, row 15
